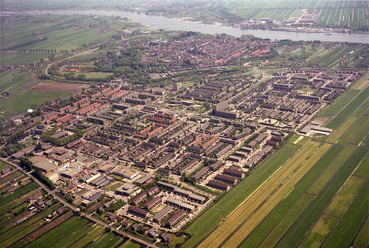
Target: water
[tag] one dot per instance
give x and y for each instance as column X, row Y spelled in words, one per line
column 161, row 22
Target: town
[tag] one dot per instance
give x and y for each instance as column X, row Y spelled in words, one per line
column 152, row 153
column 115, row 134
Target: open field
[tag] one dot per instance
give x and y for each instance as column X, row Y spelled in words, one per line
column 25, row 100
column 293, row 236
column 355, row 128
column 90, row 75
column 332, row 214
column 10, row 80
column 291, row 206
column 57, row 87
column 21, row 58
column 350, row 108
column 345, row 230
column 362, row 238
column 18, row 36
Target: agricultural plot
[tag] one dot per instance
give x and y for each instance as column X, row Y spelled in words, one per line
column 337, row 207
column 362, row 238
column 280, row 192
column 345, row 230
column 287, row 210
column 50, row 86
column 21, row 58
column 46, row 34
column 91, row 75
column 11, row 80
column 293, row 236
column 350, row 108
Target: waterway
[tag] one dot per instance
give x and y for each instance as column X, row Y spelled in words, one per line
column 161, row 22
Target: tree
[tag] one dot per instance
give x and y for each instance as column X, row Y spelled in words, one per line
column 26, row 163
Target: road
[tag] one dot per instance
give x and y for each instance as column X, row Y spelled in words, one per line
column 67, row 204
column 78, row 54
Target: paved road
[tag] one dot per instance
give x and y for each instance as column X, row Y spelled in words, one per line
column 67, row 204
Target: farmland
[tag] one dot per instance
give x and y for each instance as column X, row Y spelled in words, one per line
column 32, row 42
column 57, row 87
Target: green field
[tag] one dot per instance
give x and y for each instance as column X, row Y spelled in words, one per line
column 293, row 236
column 349, row 109
column 289, row 209
column 25, row 100
column 345, row 231
column 11, row 80
column 21, row 58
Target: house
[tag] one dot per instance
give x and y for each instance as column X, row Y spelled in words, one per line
column 111, row 216
column 154, row 232
column 166, row 237
column 177, row 218
column 138, row 212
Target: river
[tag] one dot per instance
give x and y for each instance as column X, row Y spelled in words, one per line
column 161, row 22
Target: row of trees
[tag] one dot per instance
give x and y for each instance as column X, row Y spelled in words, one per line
column 37, row 173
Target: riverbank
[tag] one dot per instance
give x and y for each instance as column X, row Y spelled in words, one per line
column 183, row 24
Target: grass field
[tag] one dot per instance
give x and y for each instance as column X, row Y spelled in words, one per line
column 15, row 233
column 362, row 239
column 329, row 218
column 345, row 230
column 21, row 58
column 293, row 236
column 291, row 207
column 10, row 80
column 350, row 108
column 25, row 100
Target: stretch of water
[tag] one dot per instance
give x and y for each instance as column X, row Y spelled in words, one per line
column 161, row 22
